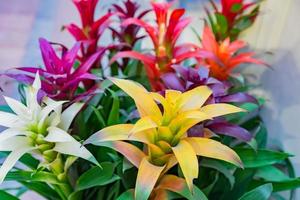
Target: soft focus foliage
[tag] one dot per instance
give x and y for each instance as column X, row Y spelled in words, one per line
column 195, row 133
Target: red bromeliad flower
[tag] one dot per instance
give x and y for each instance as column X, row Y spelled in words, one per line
column 91, row 29
column 59, row 78
column 233, row 17
column 164, row 36
column 226, row 56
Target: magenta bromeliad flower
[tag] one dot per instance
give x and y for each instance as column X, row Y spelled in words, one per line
column 164, row 35
column 185, row 79
column 127, row 35
column 233, row 17
column 91, row 29
column 61, row 76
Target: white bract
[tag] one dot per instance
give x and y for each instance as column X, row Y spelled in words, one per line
column 41, row 129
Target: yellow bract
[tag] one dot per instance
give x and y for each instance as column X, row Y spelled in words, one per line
column 164, row 132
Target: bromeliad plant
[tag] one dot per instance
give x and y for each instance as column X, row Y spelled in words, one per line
column 60, row 81
column 186, row 137
column 226, row 55
column 164, row 132
column 164, row 35
column 42, row 129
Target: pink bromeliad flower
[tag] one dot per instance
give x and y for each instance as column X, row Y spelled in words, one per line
column 62, row 75
column 91, row 29
column 164, row 35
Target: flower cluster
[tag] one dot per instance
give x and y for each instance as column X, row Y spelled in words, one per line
column 114, row 120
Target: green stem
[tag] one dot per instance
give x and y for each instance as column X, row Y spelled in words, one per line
column 57, row 168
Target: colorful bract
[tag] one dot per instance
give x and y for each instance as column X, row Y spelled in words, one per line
column 226, row 55
column 59, row 78
column 165, row 134
column 164, row 36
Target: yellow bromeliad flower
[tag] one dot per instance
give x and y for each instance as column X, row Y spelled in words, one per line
column 164, row 132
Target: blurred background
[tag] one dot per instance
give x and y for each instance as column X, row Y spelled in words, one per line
column 275, row 36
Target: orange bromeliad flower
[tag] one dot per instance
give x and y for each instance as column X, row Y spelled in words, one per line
column 226, row 56
column 164, row 134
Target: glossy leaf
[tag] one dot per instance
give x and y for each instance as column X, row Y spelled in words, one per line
column 6, row 196
column 260, row 193
column 260, row 158
column 96, row 176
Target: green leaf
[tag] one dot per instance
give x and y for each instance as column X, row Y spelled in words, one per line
column 113, row 117
column 260, row 158
column 236, row 7
column 280, row 186
column 222, row 23
column 99, row 116
column 219, row 166
column 5, row 108
column 26, row 159
column 6, row 196
column 33, row 176
column 43, row 189
column 96, row 176
column 128, row 195
column 271, row 173
column 261, row 136
column 262, row 192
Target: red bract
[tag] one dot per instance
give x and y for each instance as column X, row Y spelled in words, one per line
column 59, row 78
column 233, row 17
column 91, row 30
column 164, row 36
column 226, row 55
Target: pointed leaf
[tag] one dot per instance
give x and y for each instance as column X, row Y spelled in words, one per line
column 131, row 152
column 260, row 158
column 144, row 101
column 220, row 109
column 147, row 177
column 260, row 193
column 8, row 120
column 11, row 160
column 111, row 133
column 75, row 148
column 187, row 160
column 213, row 149
column 194, row 99
column 69, row 114
column 95, row 176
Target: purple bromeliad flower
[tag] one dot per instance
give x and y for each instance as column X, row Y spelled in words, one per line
column 184, row 79
column 62, row 75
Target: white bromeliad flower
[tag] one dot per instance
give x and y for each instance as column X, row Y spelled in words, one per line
column 41, row 129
